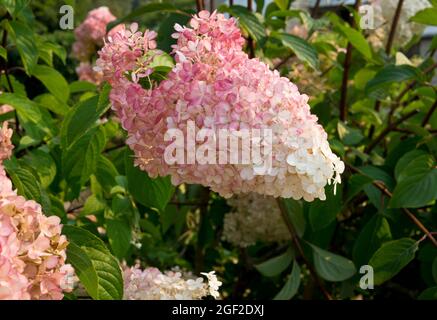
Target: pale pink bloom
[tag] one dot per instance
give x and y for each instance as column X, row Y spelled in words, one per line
column 6, row 108
column 215, row 84
column 6, row 146
column 90, row 33
column 32, row 249
column 86, row 72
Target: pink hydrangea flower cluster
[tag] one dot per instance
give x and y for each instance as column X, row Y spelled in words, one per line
column 86, row 72
column 6, row 108
column 216, row 85
column 89, row 38
column 152, row 284
column 32, row 249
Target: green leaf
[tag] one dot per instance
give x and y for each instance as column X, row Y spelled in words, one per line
column 3, row 53
column 120, row 235
column 417, row 184
column 372, row 236
column 24, row 39
column 150, row 228
column 405, row 160
column 426, row 16
column 147, row 8
column 106, row 173
column 357, row 40
column 291, row 286
column 356, row 183
column 81, row 158
column 27, row 109
column 377, row 173
column 7, row 116
column 43, row 163
column 332, row 267
column 83, row 116
column 282, row 4
column 259, row 5
column 276, row 265
column 53, row 81
column 387, row 76
column 46, row 50
column 391, row 258
column 155, row 193
column 428, row 294
column 48, row 101
column 303, row 50
column 82, row 86
column 93, row 205
column 362, row 77
column 349, row 136
column 83, row 267
column 17, row 86
column 295, row 214
column 28, row 185
column 355, row 37
column 420, row 161
column 247, row 20
column 366, row 107
column 291, row 13
column 322, row 213
column 14, row 7
column 98, row 271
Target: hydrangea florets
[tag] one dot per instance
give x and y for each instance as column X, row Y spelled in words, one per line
column 32, row 248
column 254, row 218
column 152, row 284
column 217, row 86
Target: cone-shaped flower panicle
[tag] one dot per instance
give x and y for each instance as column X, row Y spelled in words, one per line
column 216, row 86
column 91, row 32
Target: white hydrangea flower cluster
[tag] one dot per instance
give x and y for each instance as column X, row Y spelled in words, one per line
column 152, row 284
column 301, row 4
column 384, row 11
column 254, row 218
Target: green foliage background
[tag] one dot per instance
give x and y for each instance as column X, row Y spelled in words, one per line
column 381, row 122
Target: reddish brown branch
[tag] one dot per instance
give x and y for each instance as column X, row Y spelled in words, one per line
column 344, row 83
column 200, row 5
column 200, row 250
column 380, row 185
column 315, row 9
column 250, row 42
column 429, row 114
column 397, row 101
column 387, row 51
column 393, row 27
column 345, row 80
column 249, row 5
